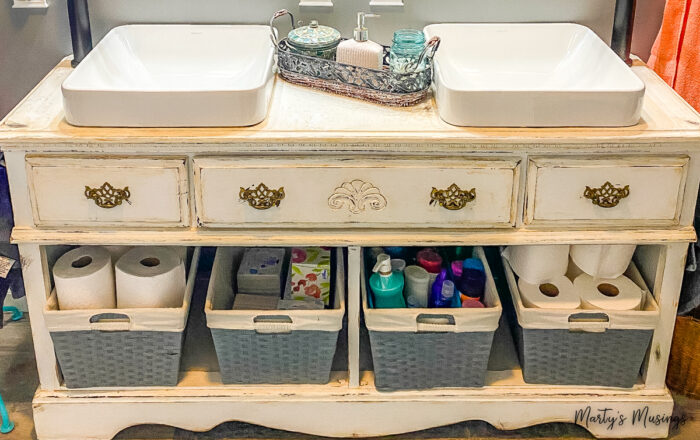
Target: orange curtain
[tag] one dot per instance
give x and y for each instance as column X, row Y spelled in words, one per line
column 675, row 55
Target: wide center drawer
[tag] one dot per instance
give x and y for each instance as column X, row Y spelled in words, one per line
column 432, row 193
column 139, row 192
column 621, row 190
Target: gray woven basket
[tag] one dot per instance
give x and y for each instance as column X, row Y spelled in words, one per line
column 561, row 357
column 553, row 351
column 271, row 346
column 120, row 347
column 248, row 357
column 94, row 358
column 418, row 349
column 414, row 361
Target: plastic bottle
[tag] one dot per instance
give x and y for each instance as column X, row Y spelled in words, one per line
column 436, row 289
column 473, row 279
column 386, row 285
column 444, row 298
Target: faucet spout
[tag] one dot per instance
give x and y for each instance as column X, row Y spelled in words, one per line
column 80, row 33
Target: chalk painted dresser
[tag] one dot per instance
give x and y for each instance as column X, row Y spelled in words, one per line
column 354, row 175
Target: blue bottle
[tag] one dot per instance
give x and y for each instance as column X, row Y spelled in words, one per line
column 473, row 279
column 447, row 294
column 386, row 285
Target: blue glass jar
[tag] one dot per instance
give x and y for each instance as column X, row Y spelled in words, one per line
column 406, row 49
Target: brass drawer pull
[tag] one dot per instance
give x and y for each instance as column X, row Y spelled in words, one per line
column 108, row 196
column 262, row 197
column 452, row 198
column 607, row 196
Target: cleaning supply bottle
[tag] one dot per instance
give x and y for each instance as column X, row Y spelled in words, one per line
column 473, row 279
column 386, row 285
column 436, row 289
column 361, row 51
column 444, row 299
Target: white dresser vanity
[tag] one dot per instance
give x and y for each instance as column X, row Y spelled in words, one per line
column 353, row 174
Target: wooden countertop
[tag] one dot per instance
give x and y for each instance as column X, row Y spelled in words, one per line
column 318, row 121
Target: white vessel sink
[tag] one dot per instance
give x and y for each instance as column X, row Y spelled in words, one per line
column 173, row 76
column 531, row 75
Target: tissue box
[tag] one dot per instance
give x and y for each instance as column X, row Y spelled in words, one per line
column 311, row 273
column 260, row 272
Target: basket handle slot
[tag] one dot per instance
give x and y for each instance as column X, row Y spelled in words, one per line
column 271, row 324
column 273, row 30
column 589, row 322
column 110, row 322
column 435, row 323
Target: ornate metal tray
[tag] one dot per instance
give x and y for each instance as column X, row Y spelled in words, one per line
column 379, row 86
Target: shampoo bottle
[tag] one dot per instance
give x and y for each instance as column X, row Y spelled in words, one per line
column 361, row 51
column 386, row 285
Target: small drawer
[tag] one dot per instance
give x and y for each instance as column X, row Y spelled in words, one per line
column 108, row 192
column 450, row 192
column 615, row 191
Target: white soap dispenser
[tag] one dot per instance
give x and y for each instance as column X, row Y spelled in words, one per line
column 360, row 51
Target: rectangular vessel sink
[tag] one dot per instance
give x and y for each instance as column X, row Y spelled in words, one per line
column 531, row 75
column 173, row 76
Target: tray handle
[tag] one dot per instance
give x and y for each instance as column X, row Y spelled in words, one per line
column 273, row 324
column 273, row 30
column 110, row 322
column 589, row 322
column 428, row 53
column 435, row 323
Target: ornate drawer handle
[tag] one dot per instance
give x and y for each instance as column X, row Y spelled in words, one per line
column 108, row 196
column 607, row 196
column 262, row 197
column 452, row 198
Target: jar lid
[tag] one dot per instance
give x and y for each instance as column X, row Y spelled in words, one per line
column 314, row 36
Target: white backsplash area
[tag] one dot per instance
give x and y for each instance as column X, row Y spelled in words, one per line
column 596, row 14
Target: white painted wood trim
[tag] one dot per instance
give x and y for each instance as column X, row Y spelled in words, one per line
column 354, row 269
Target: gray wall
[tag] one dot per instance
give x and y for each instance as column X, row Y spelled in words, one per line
column 647, row 23
column 596, row 14
column 31, row 43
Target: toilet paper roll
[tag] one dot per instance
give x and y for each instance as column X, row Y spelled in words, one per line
column 557, row 293
column 150, row 277
column 84, row 279
column 538, row 263
column 608, row 294
column 603, row 261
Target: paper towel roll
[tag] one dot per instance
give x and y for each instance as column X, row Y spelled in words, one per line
column 538, row 263
column 608, row 294
column 603, row 261
column 84, row 279
column 557, row 293
column 150, row 277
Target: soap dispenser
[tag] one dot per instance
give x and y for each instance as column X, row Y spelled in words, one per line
column 360, row 51
column 386, row 285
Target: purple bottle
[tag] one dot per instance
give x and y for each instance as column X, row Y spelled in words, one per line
column 473, row 279
column 436, row 299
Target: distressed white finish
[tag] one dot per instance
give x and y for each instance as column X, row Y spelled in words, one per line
column 352, row 140
column 339, row 192
column 556, row 187
column 556, row 75
column 158, row 187
column 173, row 76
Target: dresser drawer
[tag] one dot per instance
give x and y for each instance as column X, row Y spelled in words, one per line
column 102, row 192
column 254, row 192
column 637, row 190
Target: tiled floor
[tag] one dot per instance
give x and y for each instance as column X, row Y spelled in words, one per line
column 18, row 382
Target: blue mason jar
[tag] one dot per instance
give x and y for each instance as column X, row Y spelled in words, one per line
column 406, row 48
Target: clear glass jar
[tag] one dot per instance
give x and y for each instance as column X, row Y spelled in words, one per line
column 406, row 48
